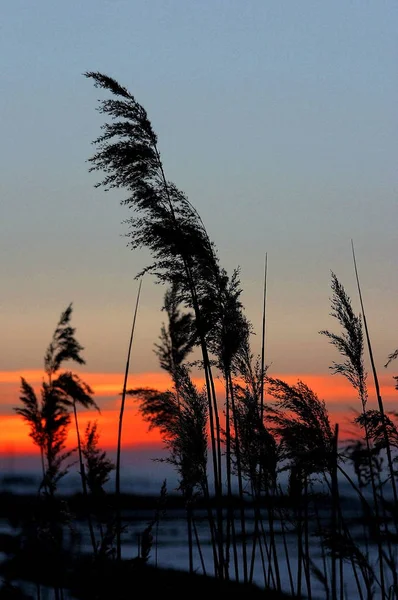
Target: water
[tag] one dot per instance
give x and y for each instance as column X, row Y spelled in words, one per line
column 170, row 547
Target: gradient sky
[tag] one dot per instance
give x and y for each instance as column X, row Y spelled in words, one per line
column 277, row 118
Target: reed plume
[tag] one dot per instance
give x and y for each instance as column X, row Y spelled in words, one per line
column 301, row 422
column 350, row 344
column 391, row 357
column 98, row 465
column 181, row 416
column 182, row 420
column 167, row 224
column 49, row 417
column 178, row 337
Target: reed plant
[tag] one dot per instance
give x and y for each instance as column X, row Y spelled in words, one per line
column 49, row 418
column 97, row 470
column 271, row 441
column 205, row 311
column 377, row 427
column 383, row 421
column 168, row 225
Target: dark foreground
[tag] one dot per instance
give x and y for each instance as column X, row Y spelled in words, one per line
column 108, row 580
column 153, row 581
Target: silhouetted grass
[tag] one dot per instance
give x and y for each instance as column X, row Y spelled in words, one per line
column 120, row 427
column 263, row 464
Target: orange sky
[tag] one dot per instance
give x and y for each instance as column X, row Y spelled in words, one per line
column 337, row 393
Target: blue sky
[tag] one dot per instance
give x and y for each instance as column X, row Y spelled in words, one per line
column 277, row 118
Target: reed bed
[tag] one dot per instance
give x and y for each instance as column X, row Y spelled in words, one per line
column 264, row 463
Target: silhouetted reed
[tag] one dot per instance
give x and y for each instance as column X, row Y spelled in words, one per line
column 284, row 455
column 49, row 420
column 49, row 417
column 165, row 222
column 391, row 357
column 97, row 469
column 169, row 226
column 380, row 404
column 120, row 429
column 181, row 416
column 301, row 423
column 376, row 426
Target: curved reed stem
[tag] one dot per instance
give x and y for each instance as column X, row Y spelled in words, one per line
column 119, row 434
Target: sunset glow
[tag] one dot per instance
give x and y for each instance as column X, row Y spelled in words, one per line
column 339, row 396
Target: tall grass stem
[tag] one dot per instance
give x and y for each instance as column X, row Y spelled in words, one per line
column 120, row 427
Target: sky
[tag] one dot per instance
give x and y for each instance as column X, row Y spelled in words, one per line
column 277, row 118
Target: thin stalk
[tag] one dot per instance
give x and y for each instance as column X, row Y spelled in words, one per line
column 202, row 562
column 119, row 436
column 336, row 521
column 286, row 549
column 84, row 483
column 390, row 558
column 364, row 502
column 257, row 519
column 235, row 550
column 263, row 339
column 257, row 498
column 218, row 489
column 230, row 510
column 270, row 576
column 359, row 587
column 217, row 423
column 306, row 557
column 156, row 542
column 363, row 571
column 213, row 530
column 377, row 513
column 262, row 558
column 240, row 481
column 43, row 466
column 190, row 538
column 253, row 556
column 322, row 545
column 299, row 528
column 216, row 459
column 256, row 537
column 335, row 504
column 256, row 532
column 269, row 502
column 346, row 530
column 355, row 487
column 271, row 519
column 341, row 573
